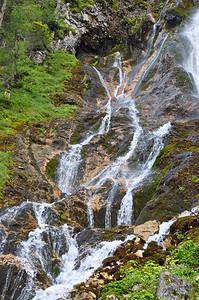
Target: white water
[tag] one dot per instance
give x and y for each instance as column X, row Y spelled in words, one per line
column 70, row 276
column 46, row 243
column 164, row 228
column 191, row 64
column 118, row 171
column 126, row 210
column 70, row 161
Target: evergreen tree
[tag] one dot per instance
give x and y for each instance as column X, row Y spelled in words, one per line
column 22, row 31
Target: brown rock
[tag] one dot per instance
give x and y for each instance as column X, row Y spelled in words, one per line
column 139, row 253
column 84, row 296
column 101, row 281
column 167, row 242
column 137, row 241
column 144, row 231
column 106, row 275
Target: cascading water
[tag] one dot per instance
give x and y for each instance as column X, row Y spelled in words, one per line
column 143, row 170
column 191, row 63
column 116, row 171
column 71, row 160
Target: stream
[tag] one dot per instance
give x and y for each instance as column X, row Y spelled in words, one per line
column 49, row 243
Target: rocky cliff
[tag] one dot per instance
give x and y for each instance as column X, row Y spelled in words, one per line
column 139, row 50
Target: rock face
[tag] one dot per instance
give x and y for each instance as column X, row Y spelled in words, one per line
column 146, row 230
column 99, row 25
column 172, row 287
column 175, row 183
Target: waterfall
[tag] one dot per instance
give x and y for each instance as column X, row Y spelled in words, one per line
column 70, row 275
column 70, row 161
column 142, row 171
column 191, row 63
column 49, row 243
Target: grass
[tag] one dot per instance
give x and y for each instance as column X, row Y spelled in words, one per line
column 31, row 100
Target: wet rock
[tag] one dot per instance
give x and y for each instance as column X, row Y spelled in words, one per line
column 173, row 189
column 11, row 276
column 172, row 19
column 72, row 211
column 173, row 287
column 146, row 230
column 59, row 143
column 16, row 227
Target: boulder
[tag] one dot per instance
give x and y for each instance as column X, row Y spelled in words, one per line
column 144, row 231
column 172, row 287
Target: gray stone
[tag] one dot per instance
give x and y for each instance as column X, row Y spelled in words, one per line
column 38, row 56
column 172, row 287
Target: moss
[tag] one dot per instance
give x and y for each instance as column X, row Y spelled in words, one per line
column 115, row 5
column 52, row 167
column 163, row 153
column 145, row 84
column 183, row 9
column 78, row 5
column 5, row 162
column 118, row 47
column 135, row 23
column 184, row 80
column 177, row 147
column 76, row 135
column 145, row 195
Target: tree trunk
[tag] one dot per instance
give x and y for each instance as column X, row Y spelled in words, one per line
column 2, row 12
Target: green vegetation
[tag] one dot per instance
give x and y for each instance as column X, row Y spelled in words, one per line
column 52, row 167
column 115, row 5
column 5, row 162
column 135, row 23
column 145, row 279
column 30, row 101
column 118, row 47
column 145, row 82
column 140, row 282
column 27, row 85
column 62, row 215
column 184, row 80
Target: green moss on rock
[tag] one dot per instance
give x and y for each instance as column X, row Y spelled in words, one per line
column 52, row 167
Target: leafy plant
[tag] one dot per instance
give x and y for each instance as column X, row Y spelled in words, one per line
column 188, row 254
